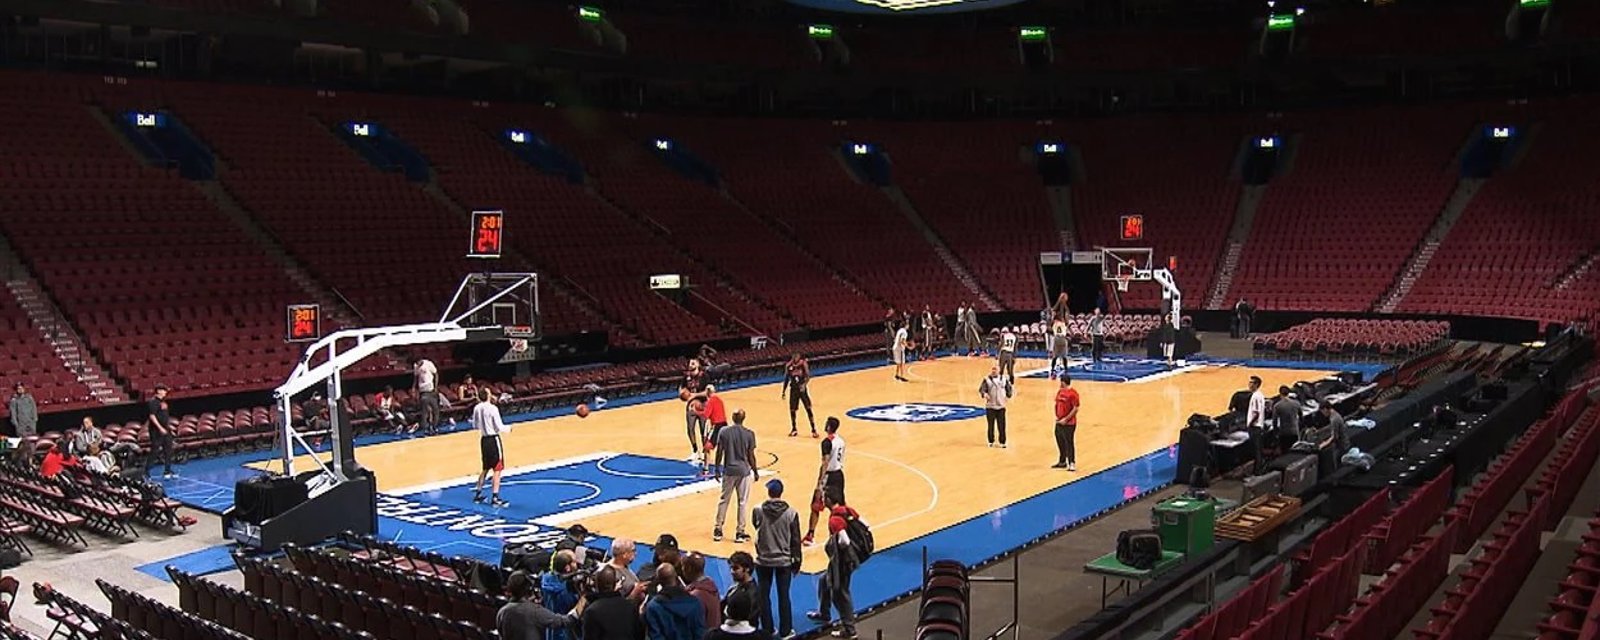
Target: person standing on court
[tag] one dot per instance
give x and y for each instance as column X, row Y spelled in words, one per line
column 1097, row 334
column 830, row 477
column 926, row 346
column 797, row 378
column 1059, row 345
column 1066, row 425
column 712, row 411
column 959, row 333
column 24, row 412
column 1255, row 414
column 898, row 353
column 426, row 388
column 778, row 556
column 974, row 330
column 996, row 391
column 1008, row 353
column 161, row 434
column 486, row 419
column 889, row 321
column 736, row 457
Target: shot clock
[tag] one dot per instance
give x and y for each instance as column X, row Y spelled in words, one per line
column 305, row 323
column 488, row 228
column 1133, row 227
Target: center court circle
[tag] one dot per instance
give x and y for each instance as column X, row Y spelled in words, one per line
column 915, row 412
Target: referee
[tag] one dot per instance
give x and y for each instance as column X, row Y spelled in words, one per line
column 486, row 419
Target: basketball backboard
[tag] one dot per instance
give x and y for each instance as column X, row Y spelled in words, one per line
column 1131, row 263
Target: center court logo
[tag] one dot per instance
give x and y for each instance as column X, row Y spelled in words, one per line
column 915, row 412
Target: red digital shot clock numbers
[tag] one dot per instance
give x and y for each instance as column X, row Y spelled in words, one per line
column 305, row 323
column 488, row 230
column 1133, row 227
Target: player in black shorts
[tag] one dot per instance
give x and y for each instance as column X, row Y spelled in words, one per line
column 693, row 389
column 486, row 419
column 797, row 376
column 830, row 477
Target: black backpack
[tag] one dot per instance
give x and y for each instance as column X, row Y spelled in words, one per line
column 860, row 538
column 1139, row 548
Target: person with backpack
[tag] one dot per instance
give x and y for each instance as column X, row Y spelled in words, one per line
column 833, row 591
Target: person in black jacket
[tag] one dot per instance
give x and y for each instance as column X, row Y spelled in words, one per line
column 524, row 619
column 610, row 615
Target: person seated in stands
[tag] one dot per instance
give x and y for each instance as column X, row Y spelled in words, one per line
column 86, row 435
column 97, row 460
column 388, row 411
column 467, row 389
column 56, row 461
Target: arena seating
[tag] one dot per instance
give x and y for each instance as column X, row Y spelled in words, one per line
column 382, row 601
column 790, row 172
column 971, row 185
column 1124, row 159
column 1524, row 230
column 597, row 253
column 75, row 619
column 52, row 385
column 162, row 287
column 1333, row 336
column 162, row 621
column 1319, row 242
column 1461, row 28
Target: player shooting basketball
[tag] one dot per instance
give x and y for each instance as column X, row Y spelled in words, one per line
column 693, row 392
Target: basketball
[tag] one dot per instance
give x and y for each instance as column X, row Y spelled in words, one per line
column 583, row 411
column 683, row 395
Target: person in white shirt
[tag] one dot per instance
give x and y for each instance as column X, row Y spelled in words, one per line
column 1008, row 354
column 486, row 419
column 996, row 391
column 1097, row 333
column 427, row 391
column 1255, row 415
column 900, row 339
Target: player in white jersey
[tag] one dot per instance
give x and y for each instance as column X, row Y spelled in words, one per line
column 830, row 477
column 1008, row 354
column 486, row 419
column 901, row 337
column 1058, row 345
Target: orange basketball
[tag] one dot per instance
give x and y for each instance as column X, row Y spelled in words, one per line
column 683, row 394
column 583, row 411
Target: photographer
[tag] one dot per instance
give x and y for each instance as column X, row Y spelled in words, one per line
column 557, row 588
column 609, row 615
column 524, row 619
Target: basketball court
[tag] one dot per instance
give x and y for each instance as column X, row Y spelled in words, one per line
column 918, row 466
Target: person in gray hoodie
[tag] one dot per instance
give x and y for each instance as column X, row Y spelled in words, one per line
column 778, row 555
column 996, row 391
column 24, row 412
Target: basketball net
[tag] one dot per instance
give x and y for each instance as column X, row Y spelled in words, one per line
column 1122, row 282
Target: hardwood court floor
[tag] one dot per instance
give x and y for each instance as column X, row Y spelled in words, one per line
column 907, row 479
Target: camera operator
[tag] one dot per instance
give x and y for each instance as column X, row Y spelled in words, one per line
column 524, row 619
column 561, row 587
column 609, row 615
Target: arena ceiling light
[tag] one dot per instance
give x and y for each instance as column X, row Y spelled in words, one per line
column 903, row 6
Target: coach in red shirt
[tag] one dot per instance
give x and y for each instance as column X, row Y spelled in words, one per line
column 1066, row 425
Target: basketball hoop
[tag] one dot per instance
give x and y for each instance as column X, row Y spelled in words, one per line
column 1122, row 282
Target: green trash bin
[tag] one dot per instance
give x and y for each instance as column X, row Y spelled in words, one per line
column 1186, row 525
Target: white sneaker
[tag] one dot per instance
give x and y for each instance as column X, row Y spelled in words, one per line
column 1072, row 466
